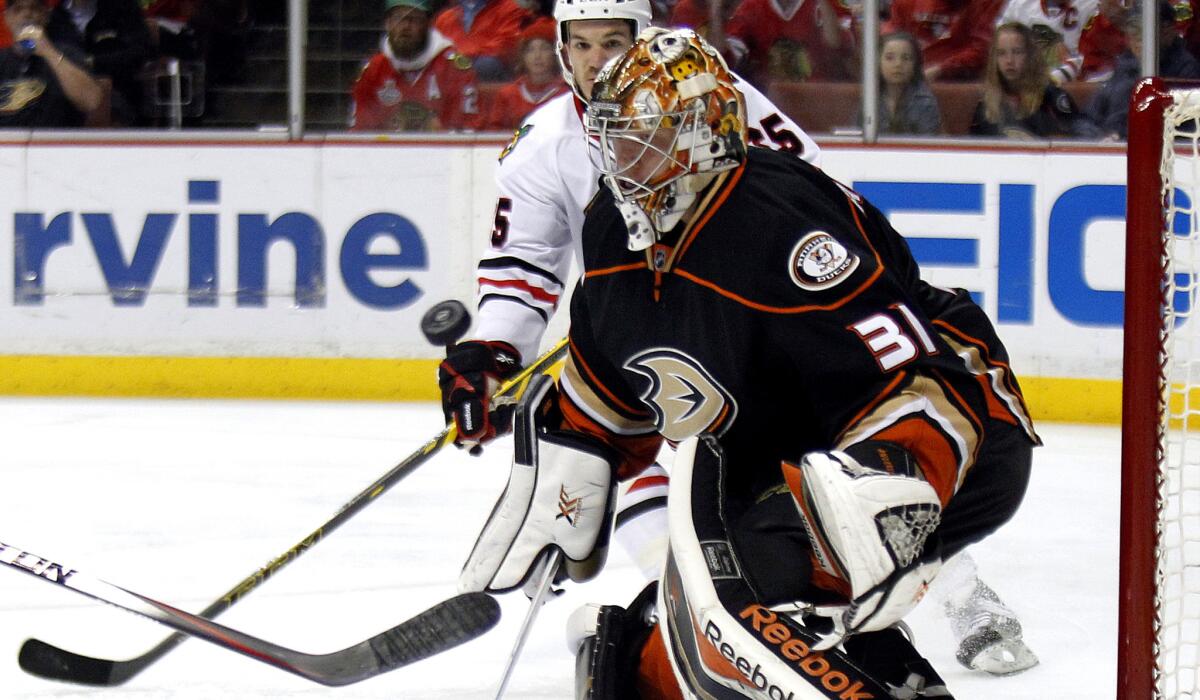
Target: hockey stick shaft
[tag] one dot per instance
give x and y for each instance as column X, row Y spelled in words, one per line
column 60, row 664
column 458, row 620
column 545, row 582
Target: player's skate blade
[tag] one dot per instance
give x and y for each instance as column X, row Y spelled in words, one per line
column 991, row 652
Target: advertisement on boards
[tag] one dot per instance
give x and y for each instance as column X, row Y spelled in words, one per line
column 334, row 250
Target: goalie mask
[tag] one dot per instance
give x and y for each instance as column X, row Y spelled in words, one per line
column 667, row 119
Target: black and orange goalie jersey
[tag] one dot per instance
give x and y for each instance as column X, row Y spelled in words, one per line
column 787, row 316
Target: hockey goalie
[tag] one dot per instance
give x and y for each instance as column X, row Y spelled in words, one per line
column 843, row 427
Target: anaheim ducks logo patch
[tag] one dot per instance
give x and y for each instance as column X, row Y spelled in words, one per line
column 685, row 398
column 819, row 262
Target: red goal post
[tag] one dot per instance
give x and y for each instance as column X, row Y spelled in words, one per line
column 1159, row 625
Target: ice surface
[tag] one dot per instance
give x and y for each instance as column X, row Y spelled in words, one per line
column 181, row 500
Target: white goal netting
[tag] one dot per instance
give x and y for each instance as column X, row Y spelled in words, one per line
column 1178, row 523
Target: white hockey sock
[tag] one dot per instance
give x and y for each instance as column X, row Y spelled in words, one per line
column 641, row 520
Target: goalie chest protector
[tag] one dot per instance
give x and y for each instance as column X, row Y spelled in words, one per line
column 776, row 320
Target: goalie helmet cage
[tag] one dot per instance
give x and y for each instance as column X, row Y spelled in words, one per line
column 1159, row 625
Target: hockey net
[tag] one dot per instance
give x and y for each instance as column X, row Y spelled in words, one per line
column 1159, row 627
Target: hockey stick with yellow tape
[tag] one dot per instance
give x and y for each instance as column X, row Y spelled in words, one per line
column 48, row 661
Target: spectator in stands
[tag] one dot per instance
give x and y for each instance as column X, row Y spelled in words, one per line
column 1103, row 40
column 418, row 81
column 907, row 105
column 1186, row 12
column 41, row 84
column 540, row 78
column 1175, row 58
column 487, row 31
column 954, row 34
column 1110, row 106
column 1059, row 28
column 114, row 38
column 1019, row 100
column 792, row 40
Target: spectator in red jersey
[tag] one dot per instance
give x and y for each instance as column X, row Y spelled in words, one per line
column 487, row 31
column 954, row 34
column 418, row 81
column 540, row 78
column 1104, row 40
column 792, row 40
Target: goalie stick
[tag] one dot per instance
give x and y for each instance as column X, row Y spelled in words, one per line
column 545, row 586
column 444, row 626
column 48, row 661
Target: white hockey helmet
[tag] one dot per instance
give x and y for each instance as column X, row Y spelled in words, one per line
column 637, row 12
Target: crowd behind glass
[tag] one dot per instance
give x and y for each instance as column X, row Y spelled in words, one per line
column 999, row 68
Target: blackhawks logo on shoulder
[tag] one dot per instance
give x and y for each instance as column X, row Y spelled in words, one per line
column 819, row 262
column 517, row 136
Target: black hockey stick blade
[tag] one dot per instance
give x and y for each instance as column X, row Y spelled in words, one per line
column 440, row 628
column 56, row 663
column 444, row 626
column 48, row 661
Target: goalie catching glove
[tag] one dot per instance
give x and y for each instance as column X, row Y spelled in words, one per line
column 560, row 493
column 868, row 527
column 470, row 374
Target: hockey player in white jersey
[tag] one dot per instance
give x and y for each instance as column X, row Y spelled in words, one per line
column 545, row 180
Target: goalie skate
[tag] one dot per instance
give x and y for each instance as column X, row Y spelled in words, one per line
column 989, row 634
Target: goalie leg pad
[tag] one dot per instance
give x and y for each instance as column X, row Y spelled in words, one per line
column 722, row 642
column 891, row 653
column 608, row 642
column 560, row 493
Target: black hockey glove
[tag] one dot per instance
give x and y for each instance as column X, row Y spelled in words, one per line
column 470, row 374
